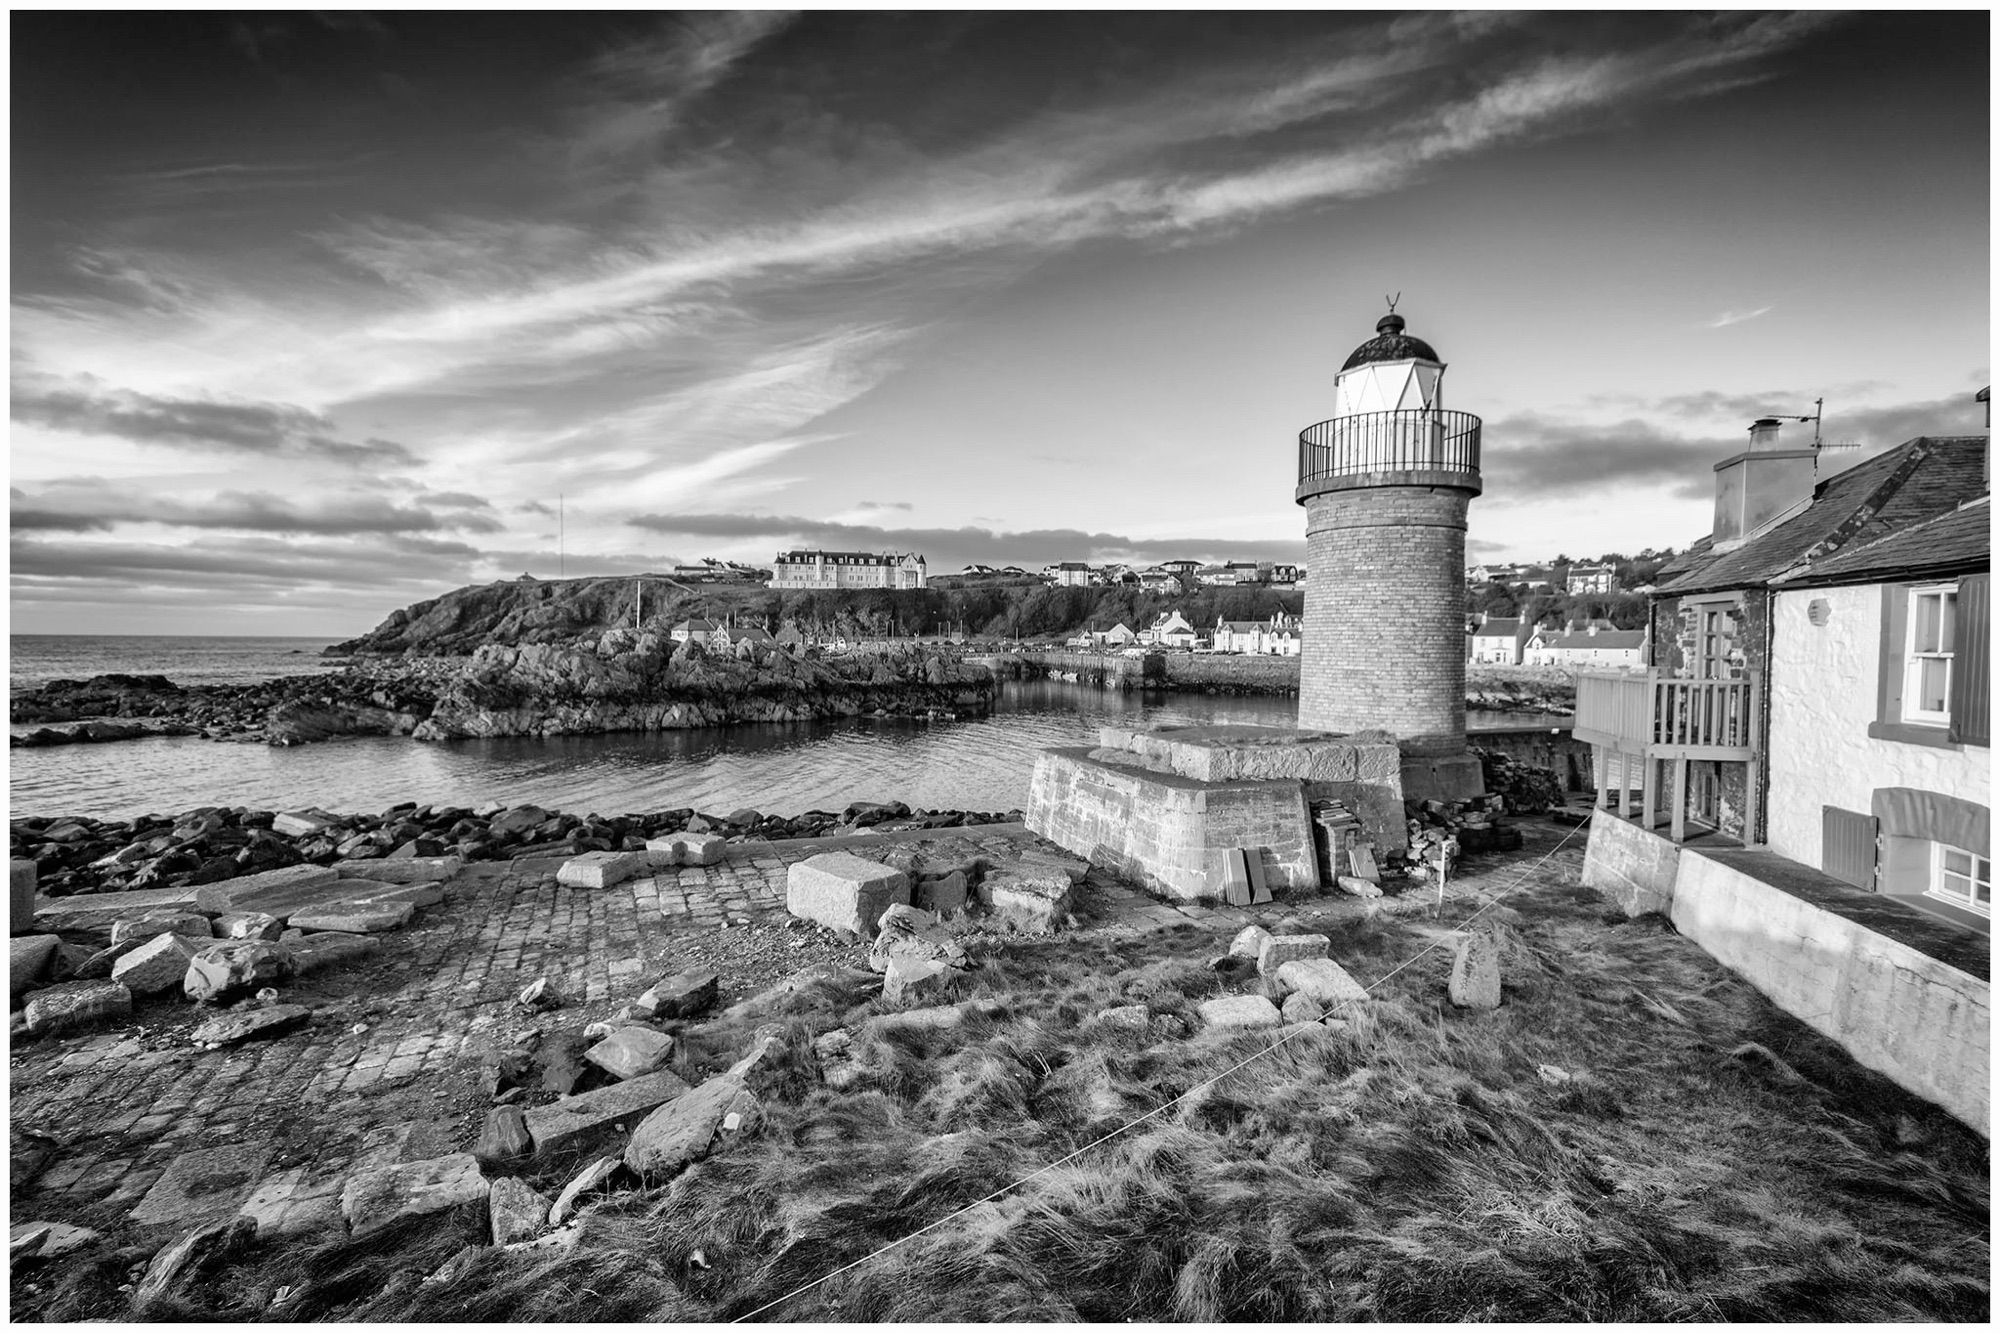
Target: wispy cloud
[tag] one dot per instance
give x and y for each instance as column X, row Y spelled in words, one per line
column 1729, row 317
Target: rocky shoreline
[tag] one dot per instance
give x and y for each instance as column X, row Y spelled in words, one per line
column 619, row 681
column 79, row 855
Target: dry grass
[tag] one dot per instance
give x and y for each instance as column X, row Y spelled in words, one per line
column 1707, row 1158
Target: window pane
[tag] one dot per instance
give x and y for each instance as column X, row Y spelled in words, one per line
column 1933, row 677
column 1949, row 616
column 1983, row 893
column 1924, row 624
column 1957, row 861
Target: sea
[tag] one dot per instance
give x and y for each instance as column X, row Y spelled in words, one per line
column 981, row 764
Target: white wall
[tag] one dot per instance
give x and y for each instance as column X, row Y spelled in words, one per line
column 1822, row 681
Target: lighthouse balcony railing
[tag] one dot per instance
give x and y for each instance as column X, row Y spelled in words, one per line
column 1420, row 445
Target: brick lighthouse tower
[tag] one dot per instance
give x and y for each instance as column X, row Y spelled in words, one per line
column 1385, row 484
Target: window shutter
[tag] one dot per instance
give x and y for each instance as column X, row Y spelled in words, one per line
column 1847, row 846
column 1889, row 675
column 1972, row 665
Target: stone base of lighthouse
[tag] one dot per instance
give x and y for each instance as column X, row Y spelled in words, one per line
column 1384, row 644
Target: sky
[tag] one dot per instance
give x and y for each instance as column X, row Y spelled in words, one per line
column 318, row 315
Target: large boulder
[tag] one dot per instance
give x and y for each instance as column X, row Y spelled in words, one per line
column 158, row 965
column 1322, row 982
column 517, row 1210
column 1029, row 897
column 912, row 980
column 73, row 1005
column 843, row 891
column 602, row 870
column 1230, row 1012
column 29, row 961
column 630, row 1052
column 688, row 1129
column 1475, row 972
column 682, row 995
column 223, row 972
column 1277, row 951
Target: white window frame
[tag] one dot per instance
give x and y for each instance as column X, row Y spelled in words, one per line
column 1979, row 873
column 1913, row 660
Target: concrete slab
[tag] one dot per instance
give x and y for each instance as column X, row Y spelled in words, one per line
column 577, row 1123
column 96, row 912
column 278, row 892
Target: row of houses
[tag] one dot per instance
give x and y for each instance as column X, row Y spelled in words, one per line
column 817, row 569
column 1513, row 641
column 1577, row 580
column 1175, row 576
column 1277, row 636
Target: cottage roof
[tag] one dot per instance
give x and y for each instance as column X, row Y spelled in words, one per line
column 695, row 626
column 1960, row 542
column 1915, row 481
column 1499, row 625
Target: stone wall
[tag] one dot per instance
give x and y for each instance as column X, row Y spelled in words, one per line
column 1162, row 829
column 1633, row 868
column 1385, row 615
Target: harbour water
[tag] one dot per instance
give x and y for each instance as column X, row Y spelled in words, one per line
column 973, row 764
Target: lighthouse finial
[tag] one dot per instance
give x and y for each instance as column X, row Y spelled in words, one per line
column 1392, row 300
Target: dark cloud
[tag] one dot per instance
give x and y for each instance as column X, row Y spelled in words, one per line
column 270, row 429
column 452, row 500
column 1534, row 456
column 946, row 549
column 241, row 563
column 74, row 510
column 533, row 507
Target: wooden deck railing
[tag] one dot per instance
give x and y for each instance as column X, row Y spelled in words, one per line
column 1665, row 716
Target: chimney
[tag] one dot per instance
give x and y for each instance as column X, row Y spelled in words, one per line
column 1754, row 487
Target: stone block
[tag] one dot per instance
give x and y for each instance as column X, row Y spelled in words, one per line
column 298, row 824
column 1359, row 888
column 96, row 912
column 20, row 893
column 30, row 957
column 402, row 870
column 313, row 953
column 284, row 1204
column 275, row 892
column 77, row 1005
column 1249, row 942
column 575, row 1123
column 682, row 995
column 158, row 965
column 909, row 980
column 418, row 894
column 220, row 972
column 1321, row 981
column 1475, row 972
column 153, row 924
column 843, row 891
column 631, row 1052
column 269, row 1021
column 686, row 1130
column 1029, row 900
column 942, row 895
column 664, row 852
column 1226, row 1012
column 1297, row 1009
column 517, row 1210
column 375, row 1197
column 1280, row 950
column 248, row 926
column 601, row 870
column 703, row 849
column 359, row 919
column 48, row 1241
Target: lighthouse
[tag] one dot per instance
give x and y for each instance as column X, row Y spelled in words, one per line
column 1386, row 483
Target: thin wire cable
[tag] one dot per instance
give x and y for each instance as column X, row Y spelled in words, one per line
column 1147, row 1116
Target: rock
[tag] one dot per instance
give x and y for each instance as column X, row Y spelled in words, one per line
column 248, row 926
column 843, row 891
column 1361, row 889
column 519, row 820
column 157, row 965
column 1027, row 897
column 1475, row 972
column 504, row 1140
column 560, row 1064
column 942, row 895
column 592, row 1178
column 1129, row 1018
column 28, row 1152
column 222, row 972
column 275, row 892
column 354, row 918
column 685, row 1130
column 541, row 994
column 48, row 1241
column 911, row 980
column 1249, row 942
column 517, row 1210
column 191, row 924
column 311, row 954
column 1322, row 982
column 203, row 1248
column 682, row 995
column 1281, row 950
column 1299, row 1009
column 838, row 1067
column 573, row 1123
column 402, row 870
column 20, row 892
column 904, row 918
column 631, row 1052
column 375, row 1197
column 299, row 824
column 601, row 870
column 698, row 849
column 29, row 961
column 1226, row 1012
column 663, row 852
column 240, row 1026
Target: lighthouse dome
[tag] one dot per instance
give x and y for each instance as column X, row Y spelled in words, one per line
column 1390, row 343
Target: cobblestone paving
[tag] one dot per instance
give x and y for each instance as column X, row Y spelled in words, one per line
column 388, row 1069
